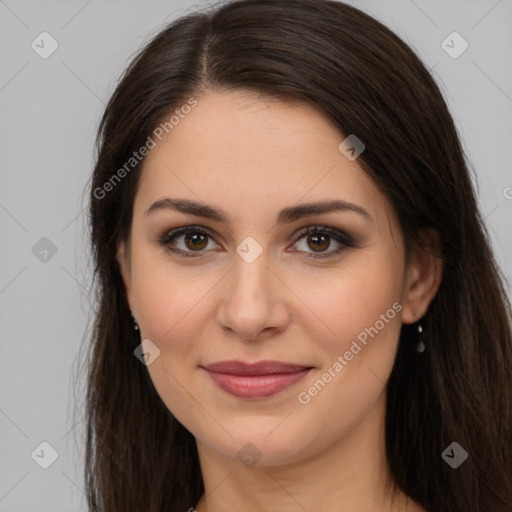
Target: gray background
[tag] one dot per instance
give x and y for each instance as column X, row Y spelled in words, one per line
column 50, row 110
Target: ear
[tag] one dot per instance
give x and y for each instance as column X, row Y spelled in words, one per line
column 124, row 260
column 423, row 276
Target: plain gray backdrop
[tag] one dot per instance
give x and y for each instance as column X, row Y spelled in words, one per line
column 50, row 109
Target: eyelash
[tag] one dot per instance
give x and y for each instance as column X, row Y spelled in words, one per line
column 340, row 237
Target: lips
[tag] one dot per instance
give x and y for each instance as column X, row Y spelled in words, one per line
column 255, row 380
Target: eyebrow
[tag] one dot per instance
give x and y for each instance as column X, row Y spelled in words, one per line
column 286, row 215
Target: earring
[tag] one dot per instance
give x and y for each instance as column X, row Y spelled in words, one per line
column 420, row 345
column 135, row 325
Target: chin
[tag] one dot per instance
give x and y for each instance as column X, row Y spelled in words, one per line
column 259, row 443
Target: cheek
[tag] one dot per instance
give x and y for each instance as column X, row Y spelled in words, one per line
column 172, row 310
column 361, row 321
column 354, row 300
column 168, row 298
column 168, row 304
column 354, row 332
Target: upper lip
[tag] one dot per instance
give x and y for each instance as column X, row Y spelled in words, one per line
column 235, row 367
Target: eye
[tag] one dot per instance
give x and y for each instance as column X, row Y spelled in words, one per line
column 320, row 238
column 194, row 240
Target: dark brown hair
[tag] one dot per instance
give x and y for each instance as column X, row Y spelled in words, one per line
column 368, row 82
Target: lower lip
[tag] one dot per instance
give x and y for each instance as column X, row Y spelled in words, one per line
column 255, row 386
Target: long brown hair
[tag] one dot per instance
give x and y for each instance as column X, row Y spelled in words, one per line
column 370, row 83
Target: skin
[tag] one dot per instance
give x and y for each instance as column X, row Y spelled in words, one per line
column 252, row 156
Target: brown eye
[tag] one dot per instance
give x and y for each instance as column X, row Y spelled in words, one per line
column 318, row 242
column 196, row 241
column 189, row 241
column 317, row 239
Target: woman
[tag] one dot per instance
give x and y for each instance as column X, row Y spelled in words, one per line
column 298, row 304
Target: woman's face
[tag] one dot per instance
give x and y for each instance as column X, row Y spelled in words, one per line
column 246, row 286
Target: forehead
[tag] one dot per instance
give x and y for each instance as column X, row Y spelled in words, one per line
column 250, row 152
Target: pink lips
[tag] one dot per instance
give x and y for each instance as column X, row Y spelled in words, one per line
column 255, row 380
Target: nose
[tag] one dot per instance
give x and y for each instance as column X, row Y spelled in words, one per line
column 253, row 305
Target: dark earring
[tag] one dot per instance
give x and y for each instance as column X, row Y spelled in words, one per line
column 135, row 325
column 420, row 344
